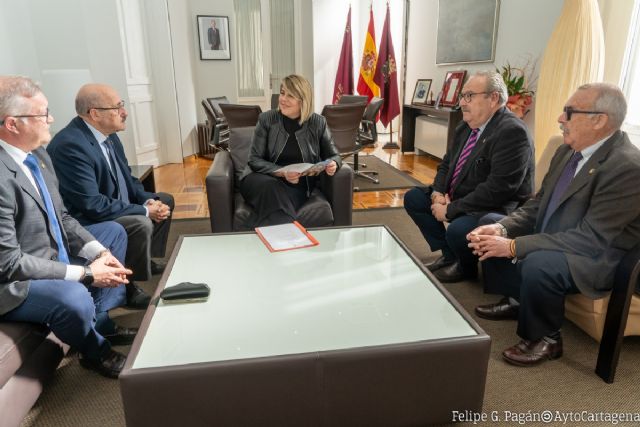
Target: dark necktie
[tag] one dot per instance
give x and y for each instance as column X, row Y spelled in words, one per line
column 464, row 155
column 561, row 186
column 123, row 193
column 32, row 163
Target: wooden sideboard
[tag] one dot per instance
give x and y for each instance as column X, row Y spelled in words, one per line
column 441, row 119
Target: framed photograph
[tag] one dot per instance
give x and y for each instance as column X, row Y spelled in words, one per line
column 451, row 88
column 213, row 33
column 421, row 92
column 466, row 34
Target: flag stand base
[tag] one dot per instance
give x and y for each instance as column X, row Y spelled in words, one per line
column 390, row 144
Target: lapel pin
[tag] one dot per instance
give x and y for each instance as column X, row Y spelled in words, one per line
column 592, row 171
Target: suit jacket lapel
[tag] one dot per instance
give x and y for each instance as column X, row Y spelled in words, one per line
column 96, row 146
column 486, row 133
column 21, row 178
column 589, row 169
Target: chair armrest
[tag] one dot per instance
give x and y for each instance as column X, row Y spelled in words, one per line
column 219, row 185
column 338, row 190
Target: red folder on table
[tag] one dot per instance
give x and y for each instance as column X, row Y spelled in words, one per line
column 285, row 237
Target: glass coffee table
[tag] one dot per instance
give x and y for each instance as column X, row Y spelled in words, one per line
column 352, row 331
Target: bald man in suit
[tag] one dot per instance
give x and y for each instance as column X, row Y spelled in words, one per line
column 572, row 235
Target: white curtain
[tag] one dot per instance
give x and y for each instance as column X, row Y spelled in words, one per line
column 248, row 33
column 631, row 79
column 282, row 41
column 574, row 56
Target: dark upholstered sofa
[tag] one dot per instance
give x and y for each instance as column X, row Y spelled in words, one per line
column 330, row 204
column 29, row 355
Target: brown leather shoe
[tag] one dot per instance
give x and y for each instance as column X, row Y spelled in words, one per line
column 439, row 263
column 501, row 310
column 529, row 353
column 110, row 364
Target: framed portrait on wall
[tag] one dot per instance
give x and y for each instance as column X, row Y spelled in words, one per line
column 467, row 34
column 451, row 87
column 421, row 92
column 213, row 34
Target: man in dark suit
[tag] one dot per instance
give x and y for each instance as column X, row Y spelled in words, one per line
column 213, row 35
column 489, row 168
column 53, row 271
column 96, row 183
column 572, row 235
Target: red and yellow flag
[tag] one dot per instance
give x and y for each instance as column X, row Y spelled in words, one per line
column 366, row 85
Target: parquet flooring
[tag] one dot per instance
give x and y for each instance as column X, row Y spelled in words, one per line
column 186, row 181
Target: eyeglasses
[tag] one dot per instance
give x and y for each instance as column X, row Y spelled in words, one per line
column 120, row 106
column 569, row 111
column 468, row 96
column 45, row 115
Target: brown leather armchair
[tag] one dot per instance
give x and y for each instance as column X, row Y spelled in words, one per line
column 238, row 115
column 343, row 120
column 330, row 203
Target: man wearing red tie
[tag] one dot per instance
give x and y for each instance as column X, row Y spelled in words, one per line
column 488, row 169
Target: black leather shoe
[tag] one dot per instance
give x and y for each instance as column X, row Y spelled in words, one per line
column 136, row 297
column 157, row 267
column 439, row 263
column 450, row 273
column 529, row 353
column 110, row 364
column 501, row 310
column 122, row 336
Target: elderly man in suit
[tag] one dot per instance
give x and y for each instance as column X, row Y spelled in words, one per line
column 571, row 236
column 96, row 183
column 488, row 168
column 53, row 271
column 213, row 36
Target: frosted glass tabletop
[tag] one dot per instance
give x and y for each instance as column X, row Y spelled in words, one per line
column 357, row 288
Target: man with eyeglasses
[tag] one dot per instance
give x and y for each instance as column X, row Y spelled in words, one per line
column 52, row 270
column 571, row 236
column 488, row 169
column 96, row 183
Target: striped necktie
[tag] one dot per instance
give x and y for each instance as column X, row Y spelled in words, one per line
column 464, row 155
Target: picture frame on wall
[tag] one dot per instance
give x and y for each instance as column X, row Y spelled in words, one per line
column 467, row 34
column 451, row 87
column 213, row 35
column 421, row 92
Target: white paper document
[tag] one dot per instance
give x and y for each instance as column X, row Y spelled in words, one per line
column 305, row 168
column 285, row 236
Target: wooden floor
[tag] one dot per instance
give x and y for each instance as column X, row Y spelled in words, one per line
column 186, row 181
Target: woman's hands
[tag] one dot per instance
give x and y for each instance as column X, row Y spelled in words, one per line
column 331, row 168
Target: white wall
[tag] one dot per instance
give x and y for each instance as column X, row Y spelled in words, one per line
column 524, row 27
column 46, row 35
column 329, row 19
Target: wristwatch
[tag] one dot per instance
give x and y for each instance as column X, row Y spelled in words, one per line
column 87, row 277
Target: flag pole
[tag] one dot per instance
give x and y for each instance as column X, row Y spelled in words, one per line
column 390, row 144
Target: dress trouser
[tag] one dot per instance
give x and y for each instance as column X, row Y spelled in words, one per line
column 146, row 239
column 273, row 200
column 452, row 240
column 75, row 314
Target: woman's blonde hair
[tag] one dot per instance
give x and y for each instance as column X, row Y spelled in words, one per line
column 300, row 88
